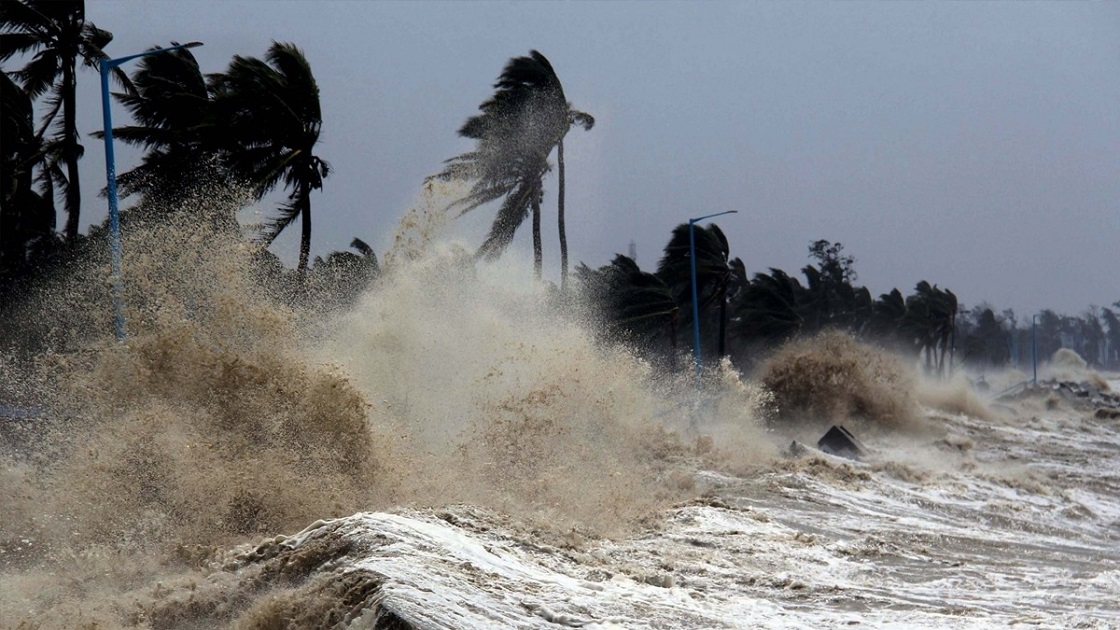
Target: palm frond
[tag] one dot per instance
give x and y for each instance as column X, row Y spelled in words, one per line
column 510, row 216
column 287, row 214
column 40, row 74
column 583, row 119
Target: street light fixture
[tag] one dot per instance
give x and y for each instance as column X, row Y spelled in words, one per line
column 106, row 66
column 695, row 304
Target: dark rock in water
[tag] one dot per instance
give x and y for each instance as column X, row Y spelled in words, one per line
column 795, row 449
column 839, row 441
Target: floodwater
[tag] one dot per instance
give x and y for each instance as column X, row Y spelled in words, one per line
column 995, row 524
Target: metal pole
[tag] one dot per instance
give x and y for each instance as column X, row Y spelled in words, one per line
column 106, row 66
column 1034, row 348
column 695, row 299
column 111, row 190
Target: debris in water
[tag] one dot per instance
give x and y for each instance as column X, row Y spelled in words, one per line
column 839, row 441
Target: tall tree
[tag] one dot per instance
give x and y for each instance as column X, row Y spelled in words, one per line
column 271, row 120
column 987, row 343
column 832, row 301
column 767, row 309
column 586, row 121
column 1112, row 338
column 57, row 34
column 931, row 317
column 27, row 220
column 632, row 303
column 171, row 107
column 514, row 134
column 715, row 271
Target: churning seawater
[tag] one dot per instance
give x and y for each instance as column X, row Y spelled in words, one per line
column 471, row 454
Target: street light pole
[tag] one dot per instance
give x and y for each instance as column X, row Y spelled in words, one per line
column 695, row 304
column 1034, row 348
column 106, row 66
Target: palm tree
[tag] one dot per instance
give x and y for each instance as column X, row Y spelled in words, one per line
column 1112, row 337
column 27, row 220
column 172, row 108
column 715, row 271
column 931, row 316
column 888, row 320
column 271, row 120
column 339, row 279
column 515, row 132
column 631, row 302
column 767, row 308
column 57, row 33
column 586, row 121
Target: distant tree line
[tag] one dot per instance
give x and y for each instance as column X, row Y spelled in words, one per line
column 256, row 124
column 745, row 318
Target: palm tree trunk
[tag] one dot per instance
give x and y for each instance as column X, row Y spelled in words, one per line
column 560, row 219
column 537, row 256
column 71, row 152
column 723, row 321
column 941, row 346
column 305, row 236
column 952, row 342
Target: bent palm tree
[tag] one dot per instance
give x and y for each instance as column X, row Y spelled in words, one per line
column 171, row 105
column 768, row 308
column 632, row 303
column 57, row 32
column 714, row 270
column 271, row 112
column 931, row 316
column 586, row 121
column 515, row 132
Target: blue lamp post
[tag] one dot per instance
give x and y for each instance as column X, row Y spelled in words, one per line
column 695, row 304
column 1034, row 348
column 107, row 66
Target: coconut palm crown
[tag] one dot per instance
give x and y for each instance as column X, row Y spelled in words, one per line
column 515, row 132
column 270, row 111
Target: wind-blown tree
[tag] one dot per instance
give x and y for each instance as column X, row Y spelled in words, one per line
column 514, row 133
column 271, row 120
column 715, row 272
column 1112, row 338
column 174, row 122
column 931, row 315
column 57, row 34
column 830, row 299
column 986, row 344
column 888, row 321
column 767, row 309
column 339, row 279
column 632, row 303
column 1090, row 336
column 586, row 121
column 27, row 220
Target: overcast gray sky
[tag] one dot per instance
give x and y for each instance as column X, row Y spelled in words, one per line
column 976, row 146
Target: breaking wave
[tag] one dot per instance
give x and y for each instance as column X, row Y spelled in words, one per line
column 831, row 377
column 230, row 411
